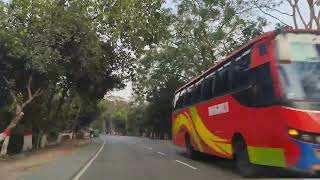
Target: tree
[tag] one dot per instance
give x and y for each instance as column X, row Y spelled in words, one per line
column 137, row 122
column 23, row 82
column 71, row 50
column 131, row 24
column 202, row 33
column 102, row 122
column 309, row 20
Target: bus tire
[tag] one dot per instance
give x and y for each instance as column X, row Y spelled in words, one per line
column 244, row 166
column 191, row 153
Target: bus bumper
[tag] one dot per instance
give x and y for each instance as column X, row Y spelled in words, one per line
column 309, row 158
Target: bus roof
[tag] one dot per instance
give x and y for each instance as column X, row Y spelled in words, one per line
column 251, row 42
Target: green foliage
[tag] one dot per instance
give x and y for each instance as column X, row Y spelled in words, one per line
column 113, row 115
column 137, row 122
column 15, row 144
column 132, row 24
column 202, row 33
column 76, row 51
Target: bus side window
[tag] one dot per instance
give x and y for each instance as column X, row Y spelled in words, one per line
column 175, row 100
column 218, row 87
column 240, row 72
column 206, row 89
column 196, row 94
column 222, row 82
column 213, row 85
column 184, row 100
column 187, row 99
column 263, row 49
column 242, row 79
column 263, row 90
column 179, row 102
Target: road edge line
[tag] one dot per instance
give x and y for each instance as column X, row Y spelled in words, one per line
column 148, row 147
column 83, row 169
column 188, row 165
column 161, row 153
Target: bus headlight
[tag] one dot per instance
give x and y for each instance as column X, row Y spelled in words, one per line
column 304, row 136
column 293, row 132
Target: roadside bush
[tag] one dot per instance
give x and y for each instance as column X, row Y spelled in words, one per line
column 53, row 135
column 15, row 144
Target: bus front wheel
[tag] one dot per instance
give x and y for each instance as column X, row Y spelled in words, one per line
column 191, row 153
column 243, row 164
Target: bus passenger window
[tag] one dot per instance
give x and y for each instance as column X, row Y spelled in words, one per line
column 263, row 90
column 222, row 83
column 196, row 94
column 213, row 85
column 263, row 49
column 179, row 102
column 187, row 99
column 240, row 72
column 206, row 89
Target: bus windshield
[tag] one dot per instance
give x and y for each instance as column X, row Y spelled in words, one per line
column 299, row 65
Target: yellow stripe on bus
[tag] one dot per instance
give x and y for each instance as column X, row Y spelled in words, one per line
column 217, row 143
column 182, row 120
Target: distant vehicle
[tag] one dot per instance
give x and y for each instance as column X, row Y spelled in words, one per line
column 260, row 106
column 95, row 133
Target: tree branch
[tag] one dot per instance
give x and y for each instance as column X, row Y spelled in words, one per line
column 268, row 14
column 290, row 3
column 273, row 9
column 30, row 95
column 317, row 20
column 301, row 18
column 312, row 14
column 11, row 92
column 245, row 10
column 29, row 87
column 36, row 94
column 293, row 14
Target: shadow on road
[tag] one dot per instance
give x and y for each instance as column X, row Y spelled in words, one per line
column 228, row 165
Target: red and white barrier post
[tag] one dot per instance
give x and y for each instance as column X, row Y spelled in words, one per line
column 27, row 140
column 44, row 141
column 5, row 136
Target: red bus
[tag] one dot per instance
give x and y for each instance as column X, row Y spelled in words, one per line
column 259, row 106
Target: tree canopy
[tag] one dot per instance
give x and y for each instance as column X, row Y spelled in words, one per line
column 59, row 58
column 200, row 35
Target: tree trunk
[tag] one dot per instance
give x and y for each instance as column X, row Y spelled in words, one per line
column 4, row 147
column 18, row 113
column 74, row 126
column 5, row 135
column 53, row 112
column 38, row 140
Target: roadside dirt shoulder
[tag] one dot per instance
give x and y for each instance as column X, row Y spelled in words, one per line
column 16, row 166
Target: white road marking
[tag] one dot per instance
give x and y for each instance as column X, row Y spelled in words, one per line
column 89, row 163
column 187, row 165
column 147, row 147
column 163, row 154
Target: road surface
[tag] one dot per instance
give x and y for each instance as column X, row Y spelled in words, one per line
column 132, row 158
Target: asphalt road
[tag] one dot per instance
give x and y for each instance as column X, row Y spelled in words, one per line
column 132, row 158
